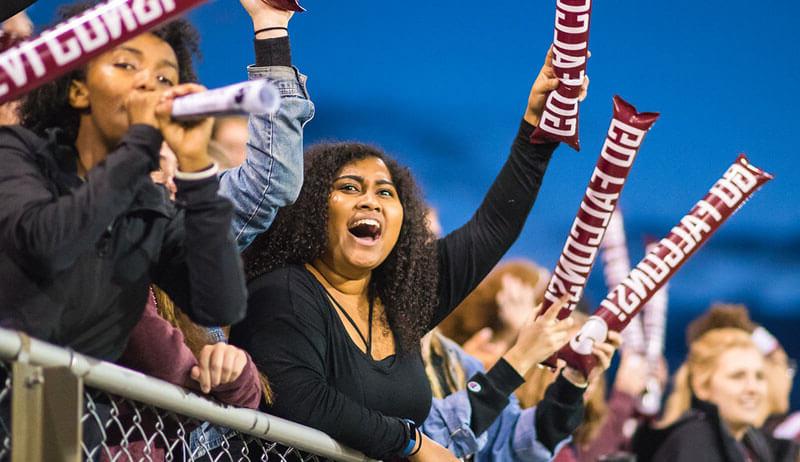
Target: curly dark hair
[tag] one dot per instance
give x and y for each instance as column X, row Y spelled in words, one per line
column 406, row 282
column 48, row 105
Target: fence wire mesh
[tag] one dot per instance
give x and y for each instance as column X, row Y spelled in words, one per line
column 116, row 429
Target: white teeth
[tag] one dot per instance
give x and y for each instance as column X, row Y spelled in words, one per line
column 366, row 221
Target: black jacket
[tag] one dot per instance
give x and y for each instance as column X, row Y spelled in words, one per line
column 76, row 257
column 700, row 435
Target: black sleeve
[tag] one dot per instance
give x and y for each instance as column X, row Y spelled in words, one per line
column 200, row 267
column 45, row 233
column 559, row 413
column 488, row 394
column 273, row 52
column 468, row 254
column 285, row 332
column 690, row 441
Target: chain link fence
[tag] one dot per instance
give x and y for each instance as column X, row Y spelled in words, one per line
column 122, row 428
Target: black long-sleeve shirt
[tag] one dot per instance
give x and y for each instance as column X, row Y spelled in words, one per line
column 319, row 376
column 76, row 256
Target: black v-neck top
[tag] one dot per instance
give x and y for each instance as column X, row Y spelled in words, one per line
column 320, row 378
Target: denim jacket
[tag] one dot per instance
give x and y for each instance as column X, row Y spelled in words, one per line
column 272, row 174
column 270, row 178
column 512, row 437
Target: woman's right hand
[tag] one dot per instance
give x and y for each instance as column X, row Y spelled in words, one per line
column 539, row 338
column 432, row 451
column 265, row 15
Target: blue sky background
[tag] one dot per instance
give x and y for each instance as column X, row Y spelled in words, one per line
column 443, row 84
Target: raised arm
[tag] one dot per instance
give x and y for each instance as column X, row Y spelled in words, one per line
column 272, row 173
column 468, row 254
column 486, row 417
column 199, row 266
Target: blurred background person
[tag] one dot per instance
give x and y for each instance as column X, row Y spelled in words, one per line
column 14, row 30
column 229, row 141
column 780, row 369
column 717, row 403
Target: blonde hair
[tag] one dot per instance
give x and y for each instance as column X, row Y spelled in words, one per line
column 700, row 365
column 195, row 337
column 454, row 375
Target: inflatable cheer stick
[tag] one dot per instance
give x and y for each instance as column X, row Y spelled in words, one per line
column 73, row 42
column 736, row 186
column 625, row 136
column 559, row 121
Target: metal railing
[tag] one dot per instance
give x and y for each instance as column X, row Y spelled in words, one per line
column 123, row 415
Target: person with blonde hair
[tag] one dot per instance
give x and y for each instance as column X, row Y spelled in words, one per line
column 780, row 368
column 718, row 400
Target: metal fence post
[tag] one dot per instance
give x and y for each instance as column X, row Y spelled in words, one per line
column 27, row 403
column 63, row 408
column 46, row 409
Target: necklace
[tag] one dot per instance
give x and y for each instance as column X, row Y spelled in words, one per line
column 366, row 339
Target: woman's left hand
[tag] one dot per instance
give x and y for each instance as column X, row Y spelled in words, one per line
column 217, row 365
column 189, row 141
column 546, row 82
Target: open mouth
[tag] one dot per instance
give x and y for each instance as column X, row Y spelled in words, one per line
column 366, row 229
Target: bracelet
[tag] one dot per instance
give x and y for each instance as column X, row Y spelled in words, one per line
column 419, row 438
column 412, row 430
column 267, row 29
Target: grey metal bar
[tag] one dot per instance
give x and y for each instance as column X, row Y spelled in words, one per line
column 139, row 387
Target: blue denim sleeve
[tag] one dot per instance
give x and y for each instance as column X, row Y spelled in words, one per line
column 272, row 174
column 448, row 424
column 512, row 436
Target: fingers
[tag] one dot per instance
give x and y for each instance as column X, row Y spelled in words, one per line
column 204, row 369
column 478, row 340
column 536, row 310
column 555, row 308
column 584, row 89
column 548, row 59
column 217, row 365
column 164, row 107
column 614, row 338
column 182, row 90
column 140, row 106
column 604, row 352
column 550, row 84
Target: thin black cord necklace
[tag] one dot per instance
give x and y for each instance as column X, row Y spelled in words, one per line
column 368, row 339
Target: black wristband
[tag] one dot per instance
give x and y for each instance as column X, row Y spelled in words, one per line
column 267, row 29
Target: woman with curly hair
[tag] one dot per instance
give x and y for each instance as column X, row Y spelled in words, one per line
column 348, row 279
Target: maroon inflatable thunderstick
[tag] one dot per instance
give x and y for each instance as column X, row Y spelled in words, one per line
column 726, row 196
column 625, row 135
column 289, row 5
column 559, row 120
column 78, row 39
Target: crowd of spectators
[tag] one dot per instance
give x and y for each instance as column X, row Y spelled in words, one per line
column 316, row 284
